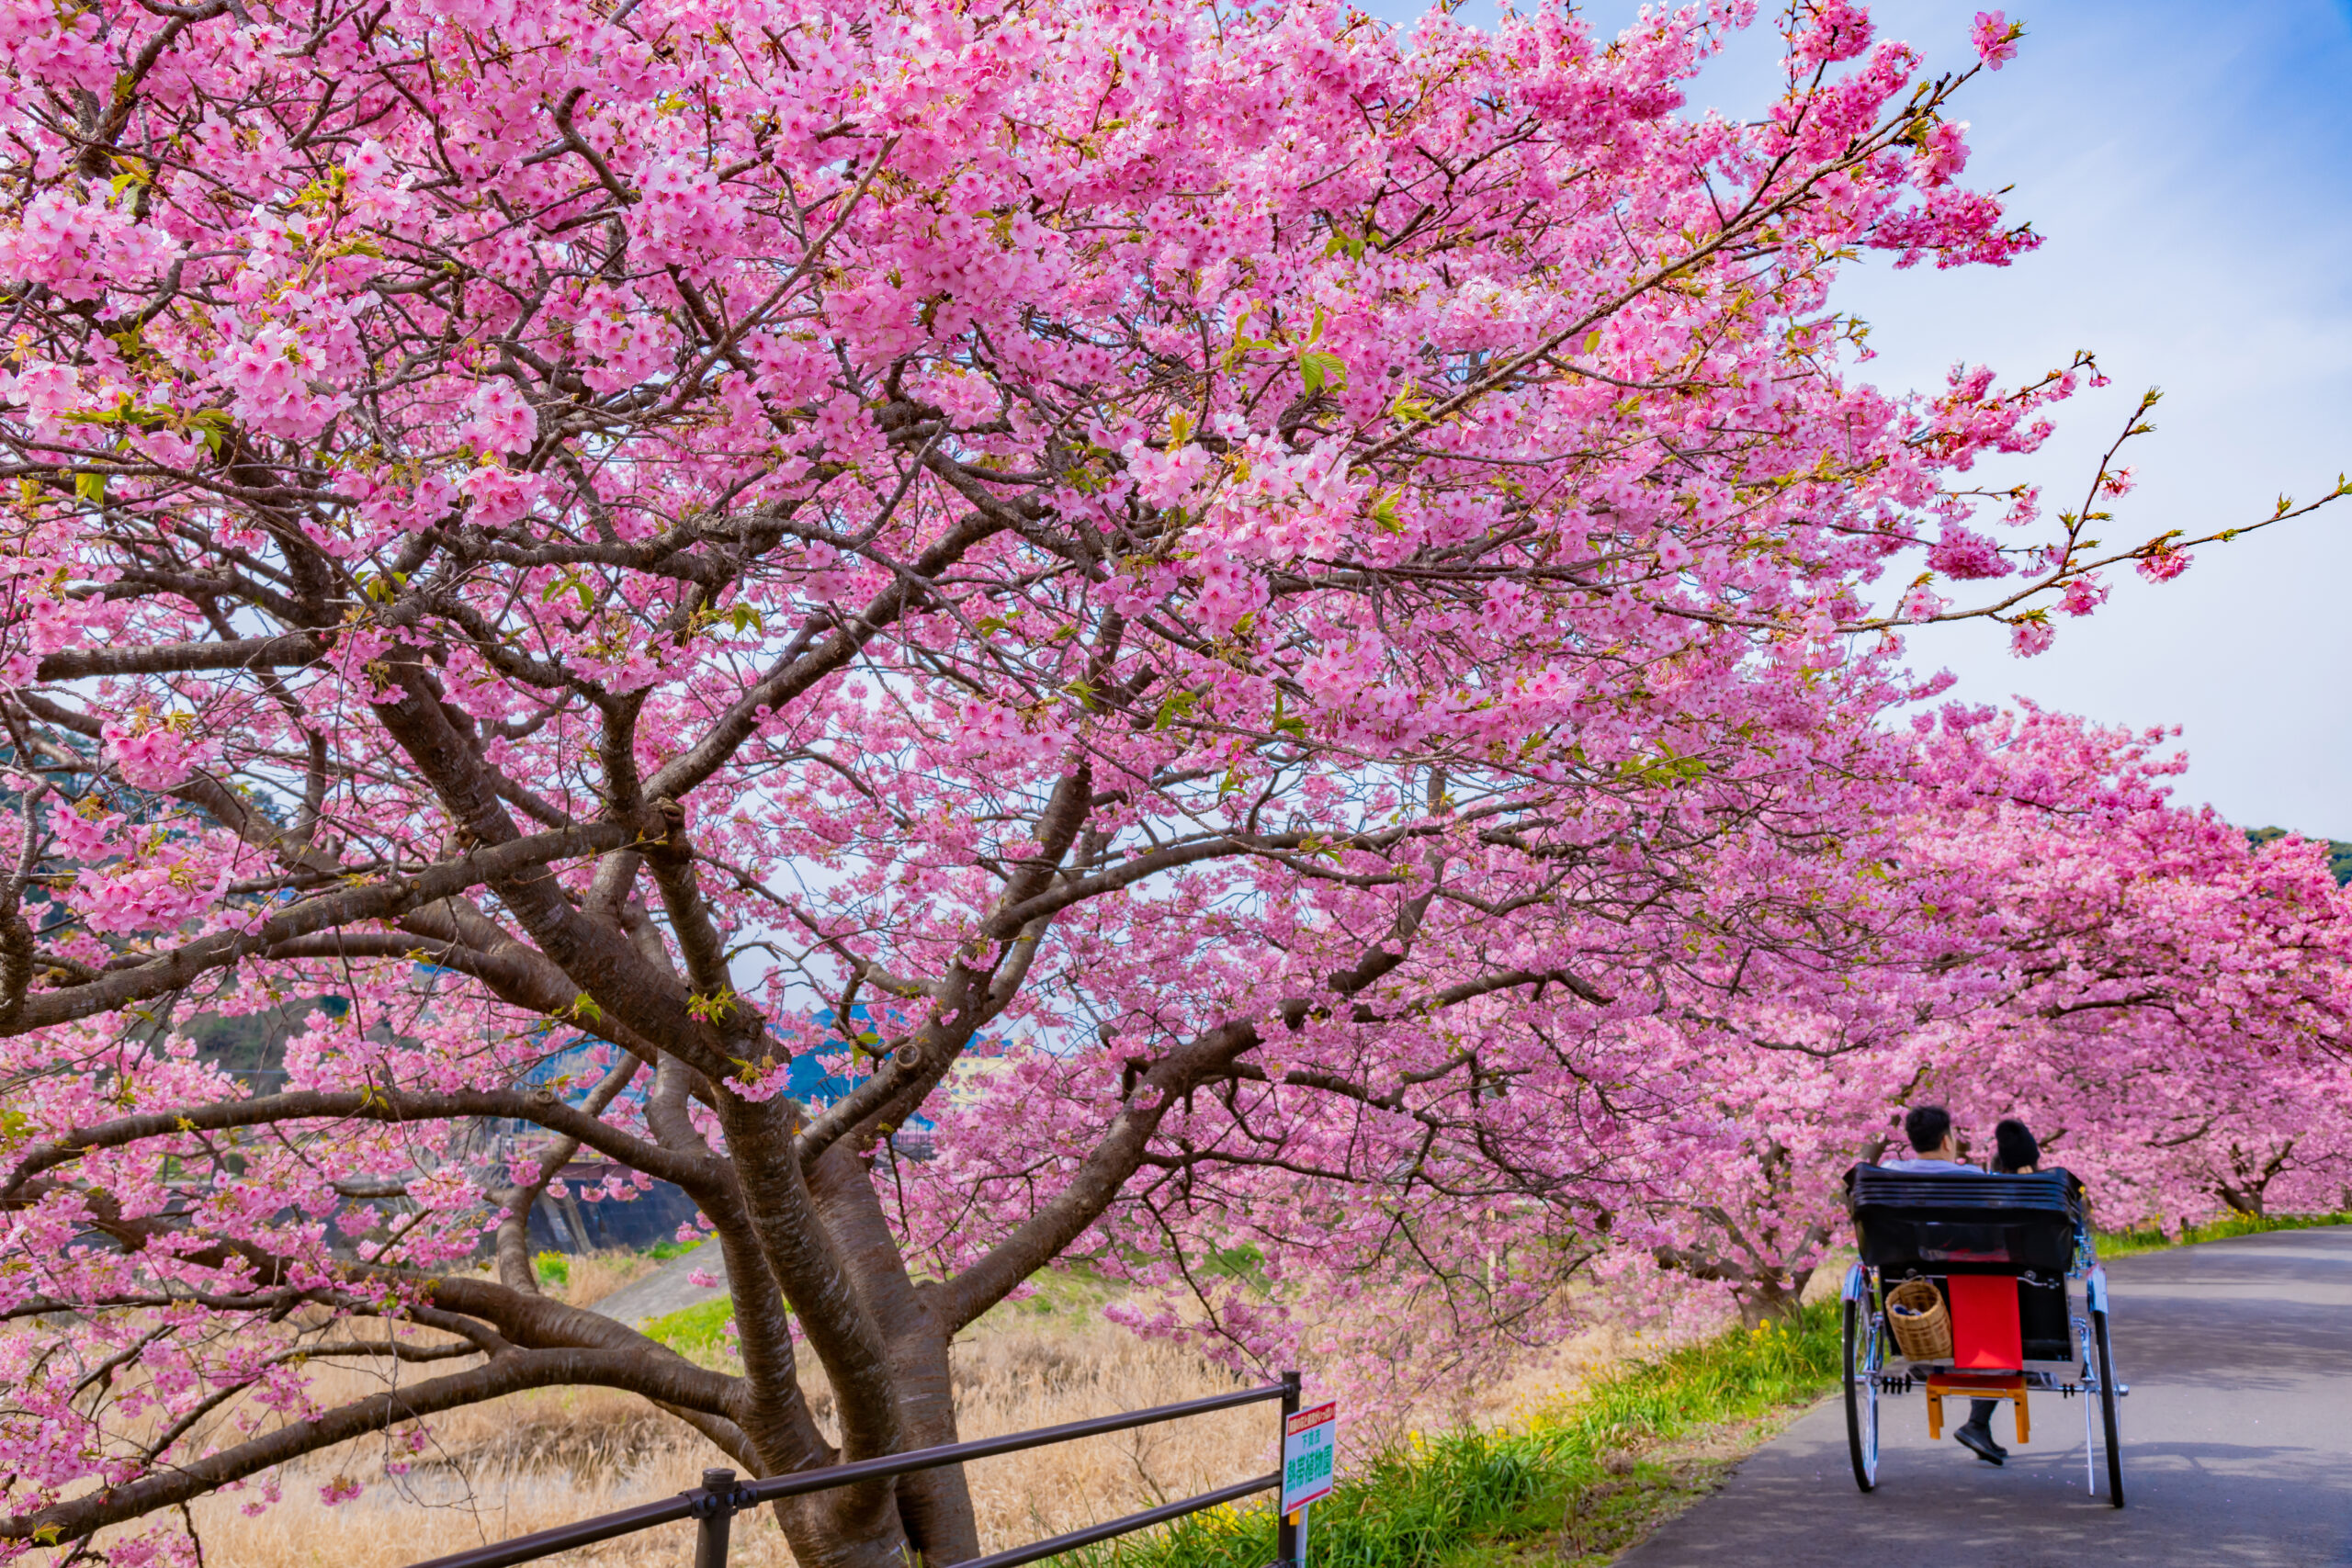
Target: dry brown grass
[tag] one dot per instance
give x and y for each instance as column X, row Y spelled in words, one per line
column 1024, row 1377
column 596, row 1275
column 537, row 1459
column 544, row 1459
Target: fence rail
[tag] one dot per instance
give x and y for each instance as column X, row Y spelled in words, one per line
column 722, row 1496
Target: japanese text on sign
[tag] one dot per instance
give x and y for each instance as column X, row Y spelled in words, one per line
column 1307, row 1452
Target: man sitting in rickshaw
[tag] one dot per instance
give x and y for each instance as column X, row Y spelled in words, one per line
column 1934, row 1148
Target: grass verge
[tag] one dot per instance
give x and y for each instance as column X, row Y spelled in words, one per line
column 1574, row 1486
column 696, row 1330
column 2126, row 1243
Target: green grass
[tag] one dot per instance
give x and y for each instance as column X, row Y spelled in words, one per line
column 694, row 1330
column 2126, row 1243
column 1075, row 1294
column 1574, row 1484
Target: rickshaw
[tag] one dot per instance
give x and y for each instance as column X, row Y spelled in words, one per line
column 2001, row 1253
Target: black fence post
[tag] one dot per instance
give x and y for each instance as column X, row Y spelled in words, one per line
column 717, row 1516
column 1286, row 1529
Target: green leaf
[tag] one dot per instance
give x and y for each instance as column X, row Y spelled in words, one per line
column 572, row 581
column 91, row 488
column 1319, row 368
column 716, row 1006
column 1288, row 724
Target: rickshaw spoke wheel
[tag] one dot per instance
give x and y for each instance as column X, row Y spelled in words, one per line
column 2108, row 1416
column 1862, row 1391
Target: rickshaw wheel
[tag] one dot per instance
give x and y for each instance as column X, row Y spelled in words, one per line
column 2107, row 1397
column 1861, row 1392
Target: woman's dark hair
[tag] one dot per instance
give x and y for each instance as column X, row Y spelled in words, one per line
column 1926, row 1126
column 2014, row 1148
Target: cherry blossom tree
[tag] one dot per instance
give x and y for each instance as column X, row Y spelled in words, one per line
column 1270, row 561
column 2165, row 1004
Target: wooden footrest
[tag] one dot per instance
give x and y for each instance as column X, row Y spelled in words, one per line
column 1975, row 1385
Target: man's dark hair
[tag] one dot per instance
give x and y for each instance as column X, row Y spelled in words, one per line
column 1928, row 1127
column 2014, row 1147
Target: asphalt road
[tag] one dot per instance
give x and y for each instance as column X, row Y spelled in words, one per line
column 2237, row 1443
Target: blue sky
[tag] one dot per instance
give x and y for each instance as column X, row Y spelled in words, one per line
column 2191, row 166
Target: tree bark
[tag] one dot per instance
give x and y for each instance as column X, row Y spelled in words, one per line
column 935, row 1505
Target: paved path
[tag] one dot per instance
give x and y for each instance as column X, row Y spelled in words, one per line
column 668, row 1288
column 2237, row 1444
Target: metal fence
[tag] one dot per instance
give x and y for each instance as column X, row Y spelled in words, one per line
column 722, row 1496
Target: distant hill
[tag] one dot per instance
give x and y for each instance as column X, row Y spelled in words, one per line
column 2339, row 853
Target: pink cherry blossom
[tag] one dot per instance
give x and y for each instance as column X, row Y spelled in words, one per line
column 1966, row 556
column 1995, row 37
column 498, row 418
column 79, row 247
column 1923, row 603
column 2082, row 595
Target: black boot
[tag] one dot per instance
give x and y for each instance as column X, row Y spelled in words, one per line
column 1977, row 1436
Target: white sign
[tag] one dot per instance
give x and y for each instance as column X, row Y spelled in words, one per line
column 1309, row 1449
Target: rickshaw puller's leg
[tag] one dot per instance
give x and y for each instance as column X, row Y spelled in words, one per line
column 1978, row 1441
column 1976, row 1433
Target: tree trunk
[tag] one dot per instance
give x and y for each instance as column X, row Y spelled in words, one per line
column 1769, row 1300
column 935, row 1505
column 850, row 1527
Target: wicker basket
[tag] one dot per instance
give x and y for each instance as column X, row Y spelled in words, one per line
column 1915, row 1310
